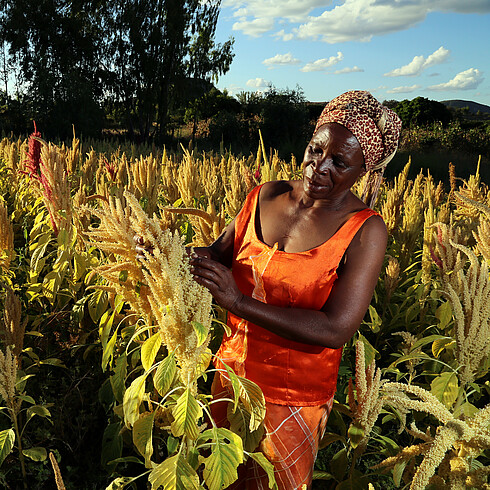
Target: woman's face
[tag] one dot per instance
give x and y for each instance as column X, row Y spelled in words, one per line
column 332, row 163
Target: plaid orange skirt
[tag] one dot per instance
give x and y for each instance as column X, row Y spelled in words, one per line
column 290, row 443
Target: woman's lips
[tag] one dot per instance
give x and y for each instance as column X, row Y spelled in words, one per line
column 314, row 184
column 310, row 178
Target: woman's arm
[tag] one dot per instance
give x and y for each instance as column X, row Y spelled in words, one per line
column 341, row 315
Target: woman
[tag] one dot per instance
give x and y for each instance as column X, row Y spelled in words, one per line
column 305, row 257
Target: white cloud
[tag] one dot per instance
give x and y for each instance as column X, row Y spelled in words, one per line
column 403, row 90
column 354, row 69
column 342, row 21
column 258, row 83
column 419, row 64
column 293, row 10
column 281, row 60
column 282, row 35
column 254, row 28
column 465, row 80
column 323, row 63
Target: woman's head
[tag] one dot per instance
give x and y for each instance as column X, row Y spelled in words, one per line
column 376, row 128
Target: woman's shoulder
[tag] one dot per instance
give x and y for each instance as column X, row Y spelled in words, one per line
column 372, row 233
column 274, row 188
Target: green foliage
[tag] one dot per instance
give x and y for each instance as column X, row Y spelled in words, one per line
column 421, row 111
column 127, row 57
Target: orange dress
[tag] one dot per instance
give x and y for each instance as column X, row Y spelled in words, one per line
column 288, row 372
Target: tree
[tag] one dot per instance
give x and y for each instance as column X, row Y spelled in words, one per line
column 421, row 111
column 390, row 103
column 155, row 46
column 53, row 47
column 285, row 121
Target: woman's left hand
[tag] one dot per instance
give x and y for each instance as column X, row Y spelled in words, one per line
column 218, row 279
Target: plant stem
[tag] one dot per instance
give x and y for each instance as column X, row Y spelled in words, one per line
column 19, row 443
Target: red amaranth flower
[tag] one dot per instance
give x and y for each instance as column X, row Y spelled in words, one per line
column 435, row 258
column 111, row 168
column 34, row 154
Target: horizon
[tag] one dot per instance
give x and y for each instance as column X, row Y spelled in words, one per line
column 396, row 50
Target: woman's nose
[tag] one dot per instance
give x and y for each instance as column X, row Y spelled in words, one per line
column 321, row 165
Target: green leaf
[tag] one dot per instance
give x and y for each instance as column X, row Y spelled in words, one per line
column 132, row 399
column 444, row 314
column 251, row 397
column 51, row 284
column 7, row 439
column 398, row 470
column 149, row 350
column 355, row 434
column 201, row 333
column 376, row 321
column 445, row 388
column 172, row 444
column 26, row 398
column 36, row 453
column 467, row 409
column 39, row 410
column 338, row 465
column 123, row 276
column 425, row 340
column 112, row 444
column 322, row 475
column 220, row 468
column 409, row 357
column 63, row 237
column 126, row 459
column 53, row 361
column 121, row 482
column 440, row 344
column 240, row 424
column 165, row 374
column 203, row 363
column 174, row 473
column 108, row 352
column 79, row 266
column 97, row 304
column 105, row 326
column 328, row 438
column 38, row 250
column 267, row 466
column 391, row 447
column 143, row 436
column 186, row 413
column 117, row 379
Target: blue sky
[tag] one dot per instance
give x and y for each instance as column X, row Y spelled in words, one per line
column 396, row 49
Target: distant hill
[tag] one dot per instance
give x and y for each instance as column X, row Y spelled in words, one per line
column 473, row 107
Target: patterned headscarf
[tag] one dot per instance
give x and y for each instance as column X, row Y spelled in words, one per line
column 376, row 128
